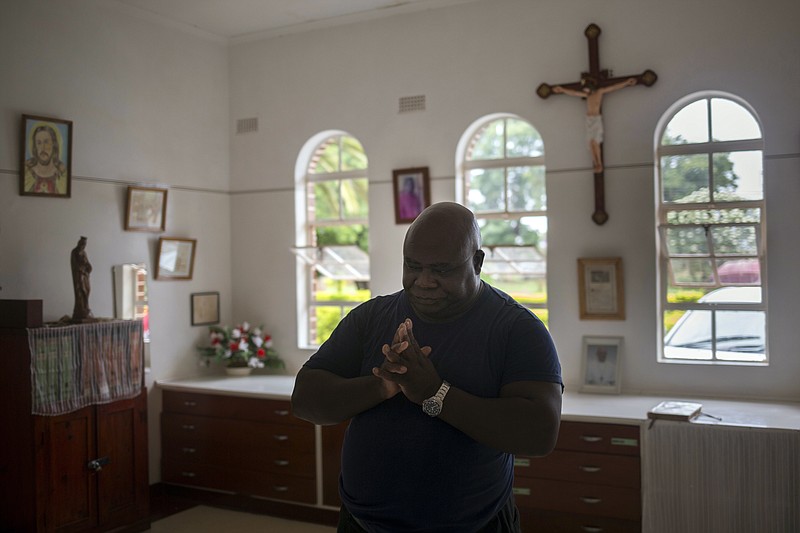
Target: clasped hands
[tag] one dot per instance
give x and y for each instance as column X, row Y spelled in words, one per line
column 406, row 367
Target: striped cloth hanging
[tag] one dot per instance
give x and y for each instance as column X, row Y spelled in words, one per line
column 85, row 364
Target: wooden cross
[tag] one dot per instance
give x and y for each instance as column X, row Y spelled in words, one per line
column 592, row 86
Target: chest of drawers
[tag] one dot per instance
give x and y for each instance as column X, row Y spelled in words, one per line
column 243, row 445
column 590, row 483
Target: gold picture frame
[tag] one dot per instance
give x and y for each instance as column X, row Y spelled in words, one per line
column 175, row 258
column 146, row 209
column 600, row 288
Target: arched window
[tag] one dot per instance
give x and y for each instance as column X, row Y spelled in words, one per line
column 501, row 178
column 332, row 233
column 711, row 232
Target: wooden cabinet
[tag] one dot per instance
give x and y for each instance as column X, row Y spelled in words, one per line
column 85, row 470
column 252, row 446
column 590, row 483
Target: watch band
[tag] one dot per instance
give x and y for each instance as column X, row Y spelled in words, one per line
column 442, row 392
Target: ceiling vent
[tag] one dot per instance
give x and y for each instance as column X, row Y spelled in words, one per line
column 246, row 125
column 412, row 103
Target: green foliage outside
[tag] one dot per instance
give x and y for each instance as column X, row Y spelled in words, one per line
column 686, row 178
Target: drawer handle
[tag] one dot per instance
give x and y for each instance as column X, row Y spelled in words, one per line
column 591, row 501
column 589, row 469
column 280, row 488
column 188, row 427
column 281, row 462
column 281, row 437
column 188, row 403
column 592, row 529
column 188, row 474
column 591, row 438
column 281, row 412
column 188, row 450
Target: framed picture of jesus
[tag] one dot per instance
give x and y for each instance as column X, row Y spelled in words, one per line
column 46, row 157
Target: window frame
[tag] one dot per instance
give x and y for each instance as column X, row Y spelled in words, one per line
column 663, row 210
column 465, row 165
column 307, row 225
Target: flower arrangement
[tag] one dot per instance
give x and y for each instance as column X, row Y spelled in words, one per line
column 240, row 347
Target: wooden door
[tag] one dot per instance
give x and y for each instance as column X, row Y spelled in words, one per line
column 122, row 481
column 66, row 491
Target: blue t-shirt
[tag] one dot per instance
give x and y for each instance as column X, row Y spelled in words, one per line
column 403, row 471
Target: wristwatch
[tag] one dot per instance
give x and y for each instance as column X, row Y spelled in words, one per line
column 433, row 405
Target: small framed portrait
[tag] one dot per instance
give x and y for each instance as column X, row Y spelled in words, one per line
column 175, row 258
column 600, row 364
column 46, row 166
column 412, row 193
column 205, row 308
column 146, row 209
column 600, row 289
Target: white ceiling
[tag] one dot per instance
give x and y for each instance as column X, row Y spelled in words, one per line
column 233, row 20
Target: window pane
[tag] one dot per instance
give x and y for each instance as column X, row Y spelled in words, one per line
column 690, row 338
column 357, row 234
column 714, row 216
column 328, row 290
column 488, row 143
column 344, row 262
column 734, row 240
column 353, row 157
column 676, row 294
column 522, row 140
column 691, row 271
column 326, row 200
column 687, row 241
column 525, row 231
column 486, row 190
column 731, row 122
column 689, row 125
column 741, row 335
column 354, row 198
column 326, row 319
column 326, row 158
column 738, row 176
column 684, row 178
column 739, row 271
column 526, row 190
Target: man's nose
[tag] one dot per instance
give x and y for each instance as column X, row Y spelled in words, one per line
column 425, row 279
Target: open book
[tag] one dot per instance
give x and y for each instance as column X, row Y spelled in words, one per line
column 675, row 410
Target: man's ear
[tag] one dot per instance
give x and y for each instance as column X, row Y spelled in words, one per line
column 477, row 261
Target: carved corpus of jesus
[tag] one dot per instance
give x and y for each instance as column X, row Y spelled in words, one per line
column 594, row 117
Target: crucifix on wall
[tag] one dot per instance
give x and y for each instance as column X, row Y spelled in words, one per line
column 592, row 86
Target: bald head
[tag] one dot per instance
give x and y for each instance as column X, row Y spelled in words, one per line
column 448, row 220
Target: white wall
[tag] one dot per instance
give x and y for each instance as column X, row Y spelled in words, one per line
column 153, row 104
column 487, row 57
column 149, row 106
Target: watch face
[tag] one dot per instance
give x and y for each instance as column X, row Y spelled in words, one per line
column 432, row 407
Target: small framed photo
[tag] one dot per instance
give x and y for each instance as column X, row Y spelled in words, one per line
column 175, row 258
column 205, row 308
column 146, row 209
column 600, row 288
column 46, row 166
column 600, row 364
column 412, row 193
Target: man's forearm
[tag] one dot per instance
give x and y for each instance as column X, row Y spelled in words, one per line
column 518, row 425
column 324, row 398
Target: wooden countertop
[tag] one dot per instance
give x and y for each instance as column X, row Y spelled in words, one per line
column 577, row 407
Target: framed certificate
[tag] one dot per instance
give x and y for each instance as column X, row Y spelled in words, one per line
column 600, row 289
